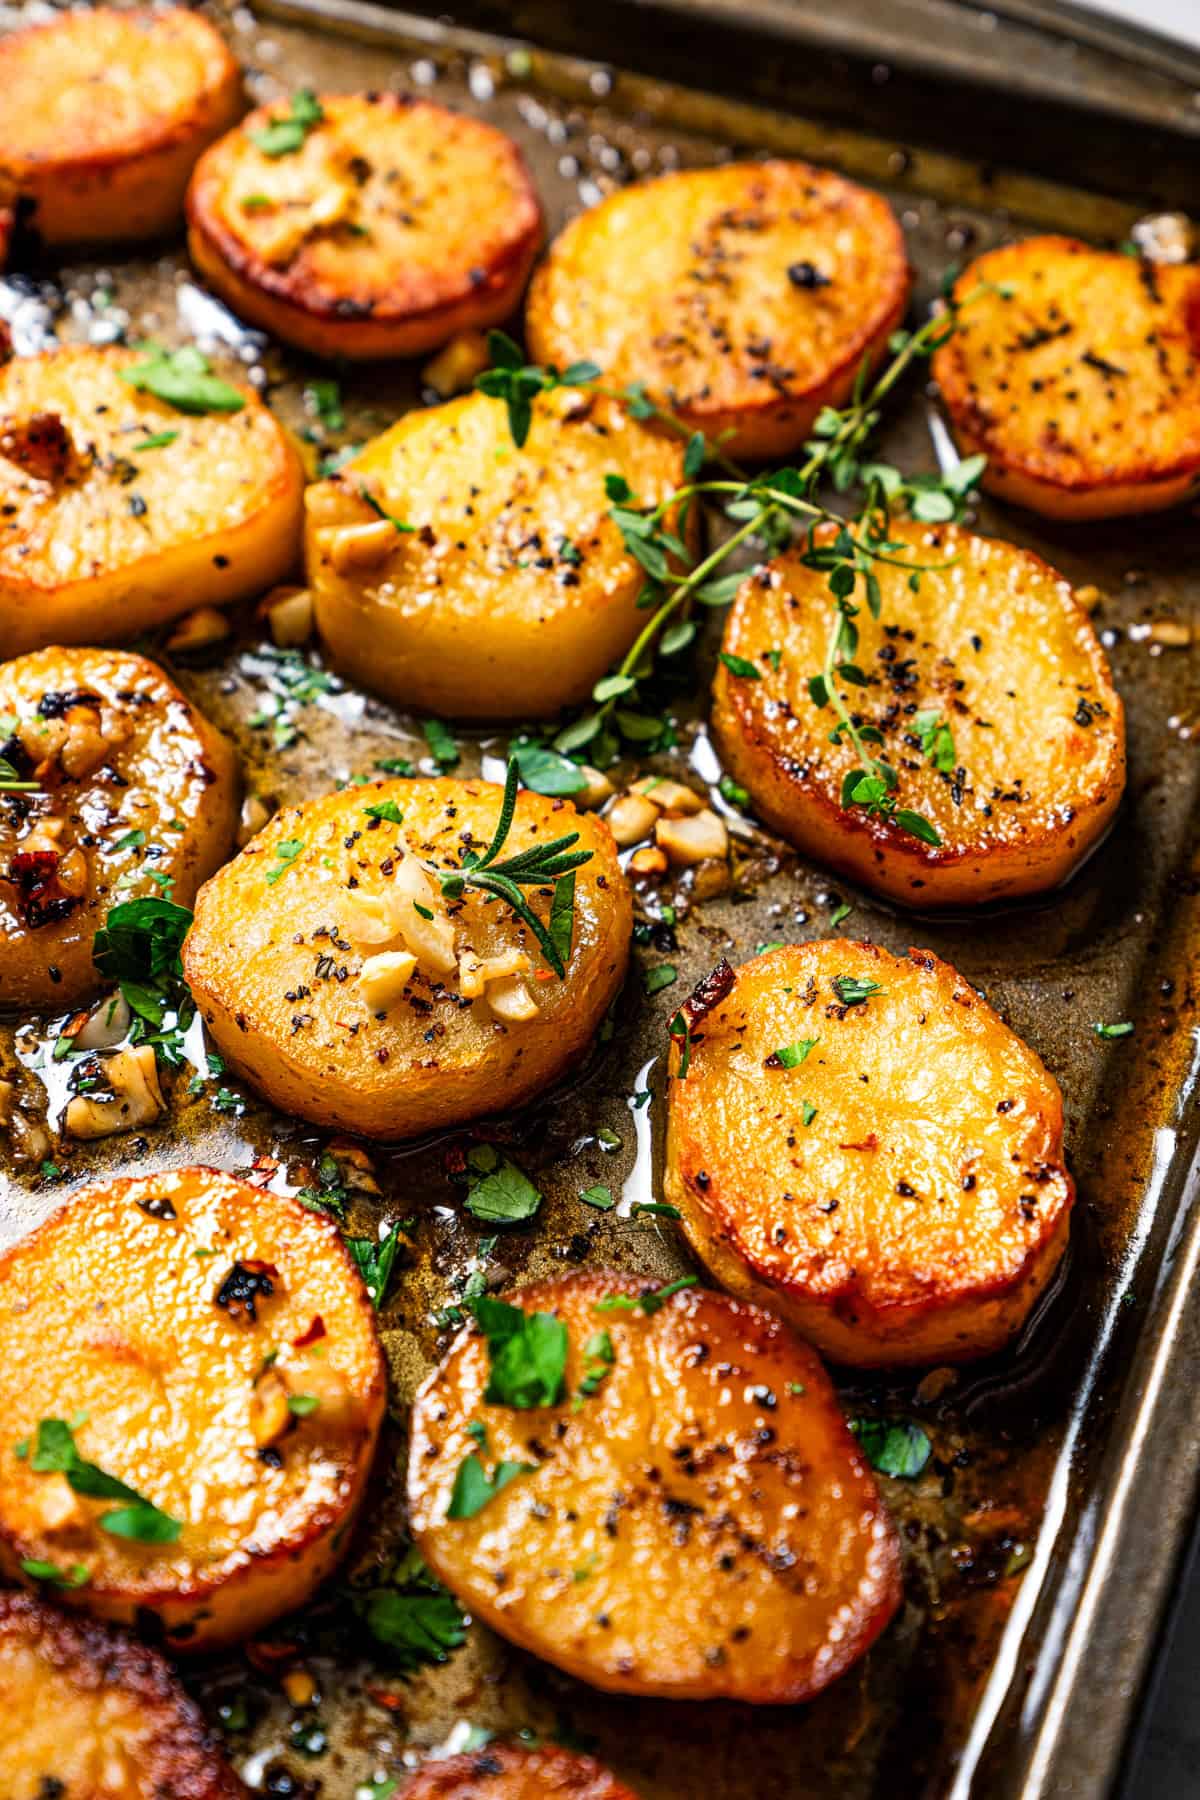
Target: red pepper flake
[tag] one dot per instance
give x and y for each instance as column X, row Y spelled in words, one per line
column 313, row 1335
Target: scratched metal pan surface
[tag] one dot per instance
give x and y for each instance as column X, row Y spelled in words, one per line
column 1040, row 1542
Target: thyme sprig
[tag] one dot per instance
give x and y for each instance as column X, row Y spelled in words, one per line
column 767, row 507
column 552, row 864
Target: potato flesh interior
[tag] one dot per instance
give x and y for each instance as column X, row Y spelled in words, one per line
column 114, row 1310
column 702, row 1524
column 512, row 592
column 990, row 668
column 1077, row 367
column 146, row 812
column 725, row 288
column 891, row 1162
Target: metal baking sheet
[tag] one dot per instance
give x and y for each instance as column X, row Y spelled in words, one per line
column 1041, row 1540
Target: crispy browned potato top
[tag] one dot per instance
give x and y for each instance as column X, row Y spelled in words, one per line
column 391, row 208
column 512, row 1772
column 80, row 497
column 694, row 1520
column 988, row 686
column 172, row 1317
column 102, row 85
column 133, row 798
column 87, row 1713
column 1077, row 367
column 864, row 1125
column 724, row 289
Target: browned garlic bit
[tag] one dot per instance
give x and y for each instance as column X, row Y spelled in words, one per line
column 198, row 630
column 359, row 546
column 685, row 831
column 289, row 615
column 410, row 926
column 74, row 740
column 455, row 366
column 136, row 1098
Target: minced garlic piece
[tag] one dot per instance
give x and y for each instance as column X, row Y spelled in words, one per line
column 384, row 977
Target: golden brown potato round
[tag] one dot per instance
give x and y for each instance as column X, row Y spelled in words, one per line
column 745, row 297
column 993, row 698
column 211, row 1346
column 1079, row 380
column 861, row 1143
column 87, row 1713
column 701, row 1525
column 104, row 537
column 511, row 1772
column 388, row 227
column 334, row 975
column 513, row 592
column 103, row 114
column 134, row 796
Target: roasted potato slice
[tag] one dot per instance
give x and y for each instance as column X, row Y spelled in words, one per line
column 861, row 1143
column 103, row 114
column 991, row 694
column 512, row 1772
column 745, row 297
column 209, row 1345
column 334, row 974
column 119, row 512
column 386, row 227
column 513, row 592
column 692, row 1518
column 1078, row 375
column 132, row 794
column 87, row 1713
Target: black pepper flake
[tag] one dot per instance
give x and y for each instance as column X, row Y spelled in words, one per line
column 244, row 1286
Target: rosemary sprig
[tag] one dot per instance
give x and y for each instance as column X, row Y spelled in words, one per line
column 11, row 783
column 542, row 865
column 767, row 507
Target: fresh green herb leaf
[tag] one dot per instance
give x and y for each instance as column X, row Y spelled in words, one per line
column 303, row 1404
column 738, row 665
column 412, row 1616
column 808, row 1112
column 894, row 1447
column 158, row 440
column 528, row 1353
column 50, row 1572
column 442, row 746
column 285, row 853
column 285, row 134
column 599, row 1196
column 382, row 512
column 841, row 911
column 1123, row 1029
column 790, row 1056
column 936, row 741
column 375, row 1259
column 663, row 975
column 733, row 792
column 393, row 765
column 184, row 380
column 474, row 1487
column 386, row 810
column 659, row 1208
column 498, row 1191
column 56, row 1453
column 645, row 1303
column 324, row 399
column 853, row 990
column 545, row 771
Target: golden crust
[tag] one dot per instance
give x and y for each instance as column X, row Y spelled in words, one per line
column 746, row 297
column 923, row 1208
column 394, row 226
column 1080, row 382
column 701, row 1526
column 111, row 1309
column 512, row 1772
column 429, row 1060
column 86, row 1711
column 109, row 542
column 996, row 647
column 151, row 764
column 513, row 593
column 103, row 114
